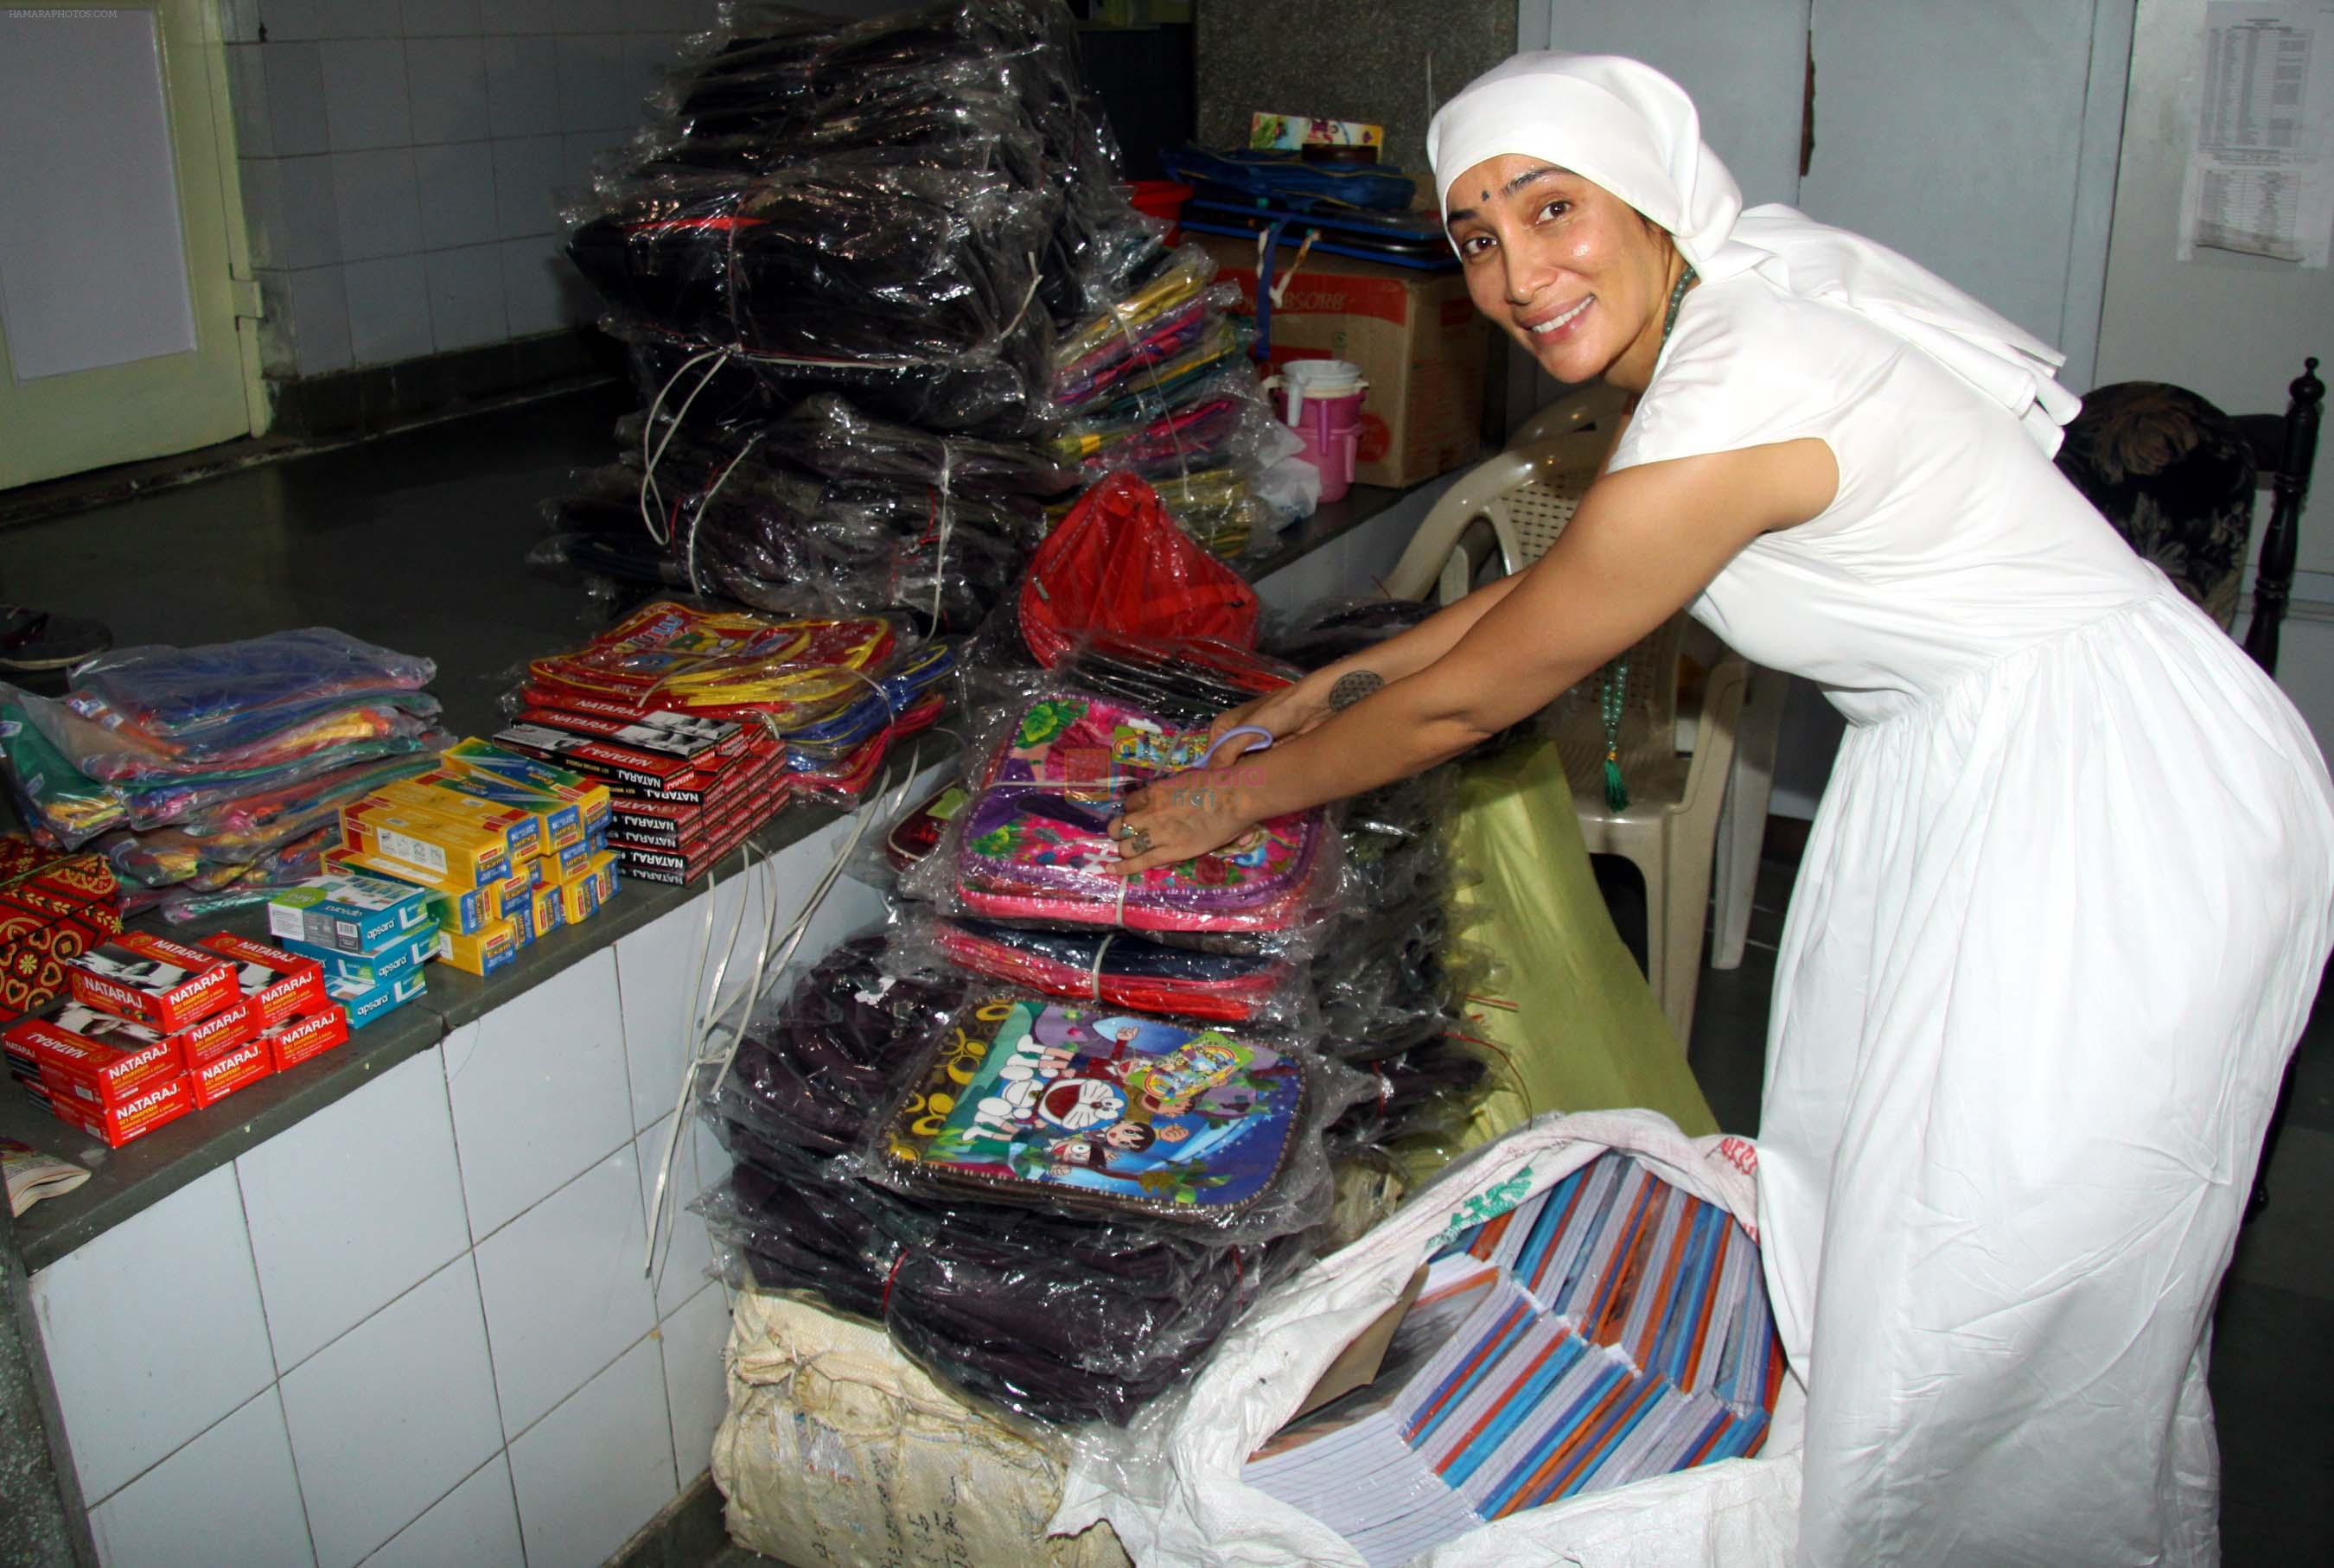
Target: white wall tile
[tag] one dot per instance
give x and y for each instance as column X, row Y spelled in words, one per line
column 239, row 21
column 582, row 151
column 475, row 1526
column 446, row 79
column 528, row 170
column 330, row 18
column 564, row 1290
column 538, row 1090
column 296, row 121
column 441, row 18
column 466, row 296
column 353, row 1206
column 593, row 15
column 130, row 1400
column 595, row 93
column 518, row 16
column 246, row 91
column 655, row 966
column 232, row 1489
column 684, row 1249
column 535, row 289
column 391, row 1416
column 522, row 86
column 379, row 208
column 318, row 302
column 306, row 232
column 456, row 182
column 646, row 57
column 598, row 1467
column 366, row 101
column 262, row 184
column 697, row 1389
column 278, row 349
column 389, row 309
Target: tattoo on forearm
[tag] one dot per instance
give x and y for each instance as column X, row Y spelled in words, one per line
column 1350, row 688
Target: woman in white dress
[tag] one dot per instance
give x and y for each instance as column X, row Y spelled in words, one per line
column 2067, row 898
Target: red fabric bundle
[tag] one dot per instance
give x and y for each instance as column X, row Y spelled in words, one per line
column 1118, row 563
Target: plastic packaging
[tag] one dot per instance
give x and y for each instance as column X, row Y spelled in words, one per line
column 1171, row 1482
column 223, row 694
column 1061, row 1316
column 1117, row 563
column 1111, row 969
column 56, row 800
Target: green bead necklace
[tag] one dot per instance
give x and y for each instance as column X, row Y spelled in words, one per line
column 1613, row 685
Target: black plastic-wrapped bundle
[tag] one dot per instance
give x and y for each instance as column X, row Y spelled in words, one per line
column 1060, row 1316
column 888, row 264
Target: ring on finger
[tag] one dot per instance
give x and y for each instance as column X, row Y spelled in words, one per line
column 1138, row 841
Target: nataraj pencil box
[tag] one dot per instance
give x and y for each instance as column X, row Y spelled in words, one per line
column 240, row 1068
column 100, row 1070
column 153, row 979
column 295, row 1042
column 157, row 1105
column 281, row 984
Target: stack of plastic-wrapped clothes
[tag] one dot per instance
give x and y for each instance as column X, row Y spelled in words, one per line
column 886, row 302
column 212, row 777
column 1055, row 1128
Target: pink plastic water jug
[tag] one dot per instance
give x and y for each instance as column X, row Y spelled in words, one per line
column 1324, row 407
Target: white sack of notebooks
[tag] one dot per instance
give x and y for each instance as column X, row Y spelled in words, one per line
column 1171, row 1483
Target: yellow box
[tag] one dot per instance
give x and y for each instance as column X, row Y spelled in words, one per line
column 605, row 876
column 482, row 954
column 522, row 835
column 579, row 899
column 566, row 865
column 438, row 852
column 592, row 801
column 559, row 821
column 550, row 911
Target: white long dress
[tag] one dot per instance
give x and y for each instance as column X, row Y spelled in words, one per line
column 2057, row 927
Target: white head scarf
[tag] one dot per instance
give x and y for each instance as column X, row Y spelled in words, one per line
column 1630, row 130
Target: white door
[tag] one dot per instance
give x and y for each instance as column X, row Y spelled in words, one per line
column 119, row 227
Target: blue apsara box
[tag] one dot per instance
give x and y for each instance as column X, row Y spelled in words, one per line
column 364, row 970
column 366, row 1003
column 347, row 913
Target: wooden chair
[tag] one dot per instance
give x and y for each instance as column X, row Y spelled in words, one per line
column 2178, row 478
column 1508, row 511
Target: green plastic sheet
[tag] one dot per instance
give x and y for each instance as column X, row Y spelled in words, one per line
column 1569, row 1020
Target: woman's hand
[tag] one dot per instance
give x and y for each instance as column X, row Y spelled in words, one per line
column 1179, row 818
column 1290, row 711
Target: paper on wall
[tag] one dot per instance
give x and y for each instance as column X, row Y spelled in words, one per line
column 2261, row 176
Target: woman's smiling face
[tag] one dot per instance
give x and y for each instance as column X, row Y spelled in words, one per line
column 1571, row 271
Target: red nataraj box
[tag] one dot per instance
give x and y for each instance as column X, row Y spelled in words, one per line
column 289, row 1044
column 160, row 1102
column 95, row 1071
column 165, row 984
column 280, row 985
column 245, row 1066
column 1419, row 339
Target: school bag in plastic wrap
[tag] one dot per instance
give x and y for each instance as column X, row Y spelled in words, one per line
column 1118, row 563
column 1170, row 1484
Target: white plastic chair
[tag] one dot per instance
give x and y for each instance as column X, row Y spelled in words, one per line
column 1750, row 781
column 1512, row 507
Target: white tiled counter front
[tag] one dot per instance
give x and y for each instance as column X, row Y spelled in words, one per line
column 414, row 1328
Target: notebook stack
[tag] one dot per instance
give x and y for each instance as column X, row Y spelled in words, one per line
column 1614, row 1328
